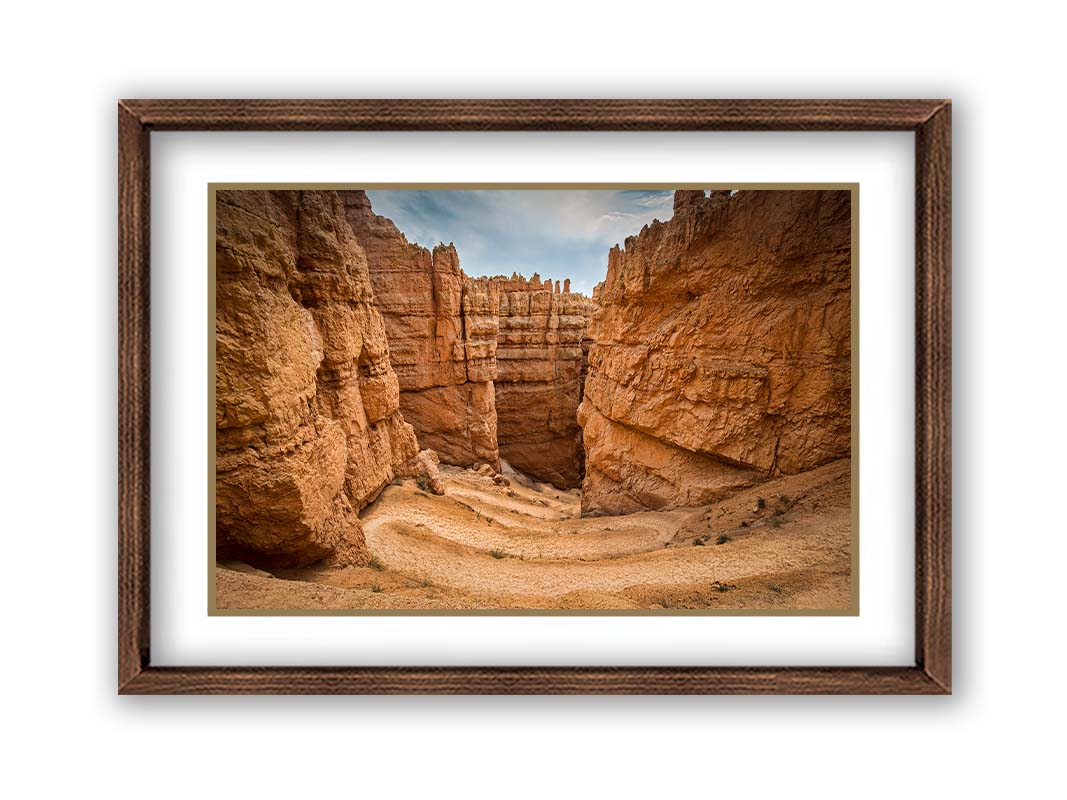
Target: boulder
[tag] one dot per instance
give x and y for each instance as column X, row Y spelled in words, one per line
column 429, row 471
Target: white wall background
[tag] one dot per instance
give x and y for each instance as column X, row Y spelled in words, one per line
column 63, row 69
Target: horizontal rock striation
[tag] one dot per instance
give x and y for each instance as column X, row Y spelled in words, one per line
column 540, row 370
column 722, row 350
column 307, row 416
column 442, row 331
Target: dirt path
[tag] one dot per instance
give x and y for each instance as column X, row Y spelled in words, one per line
column 784, row 544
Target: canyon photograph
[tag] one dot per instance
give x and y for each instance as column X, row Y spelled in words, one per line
column 542, row 400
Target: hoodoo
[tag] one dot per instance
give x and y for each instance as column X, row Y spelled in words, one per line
column 442, row 329
column 307, row 421
column 721, row 350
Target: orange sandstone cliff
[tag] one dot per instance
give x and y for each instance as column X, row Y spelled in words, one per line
column 540, row 370
column 721, row 350
column 442, row 331
column 308, row 422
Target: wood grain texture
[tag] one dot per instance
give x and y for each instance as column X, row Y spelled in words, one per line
column 134, row 374
column 537, row 680
column 931, row 121
column 933, row 396
column 557, row 115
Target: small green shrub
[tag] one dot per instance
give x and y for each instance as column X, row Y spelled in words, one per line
column 698, row 542
column 374, row 563
column 719, row 586
column 723, row 539
column 376, row 588
column 498, row 554
column 761, row 503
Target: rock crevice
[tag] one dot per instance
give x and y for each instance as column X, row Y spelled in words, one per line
column 540, row 376
column 487, row 367
column 441, row 326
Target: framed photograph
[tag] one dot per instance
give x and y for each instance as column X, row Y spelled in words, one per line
column 534, row 396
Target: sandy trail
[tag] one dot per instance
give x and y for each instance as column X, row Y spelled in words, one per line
column 484, row 524
column 783, row 544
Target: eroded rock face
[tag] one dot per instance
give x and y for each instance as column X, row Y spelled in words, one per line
column 721, row 350
column 441, row 327
column 307, row 415
column 540, row 372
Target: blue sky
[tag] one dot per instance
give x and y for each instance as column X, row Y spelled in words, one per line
column 560, row 234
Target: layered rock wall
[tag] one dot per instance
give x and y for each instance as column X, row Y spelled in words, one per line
column 721, row 351
column 307, row 417
column 442, row 331
column 540, row 370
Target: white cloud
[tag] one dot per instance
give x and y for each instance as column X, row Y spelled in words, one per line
column 557, row 233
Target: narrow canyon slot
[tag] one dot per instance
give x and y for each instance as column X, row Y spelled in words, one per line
column 667, row 425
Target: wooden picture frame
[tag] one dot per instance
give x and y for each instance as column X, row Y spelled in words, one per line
column 930, row 120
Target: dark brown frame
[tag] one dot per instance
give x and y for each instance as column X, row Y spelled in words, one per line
column 931, row 122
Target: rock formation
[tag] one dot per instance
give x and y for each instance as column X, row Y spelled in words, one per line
column 442, row 328
column 721, row 350
column 540, row 367
column 308, row 422
column 463, row 346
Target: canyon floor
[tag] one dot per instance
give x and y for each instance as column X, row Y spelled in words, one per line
column 784, row 544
